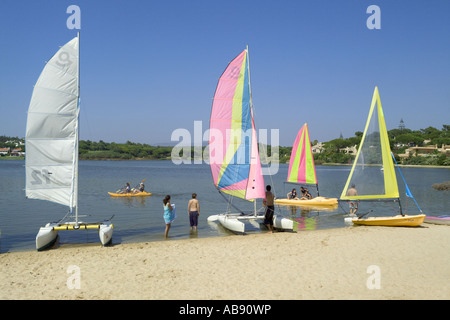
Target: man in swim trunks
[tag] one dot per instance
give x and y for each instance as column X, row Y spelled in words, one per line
column 353, row 204
column 268, row 202
column 193, row 211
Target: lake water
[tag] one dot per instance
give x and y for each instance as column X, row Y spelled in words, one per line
column 140, row 219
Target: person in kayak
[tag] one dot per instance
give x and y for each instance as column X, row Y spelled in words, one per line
column 126, row 189
column 141, row 188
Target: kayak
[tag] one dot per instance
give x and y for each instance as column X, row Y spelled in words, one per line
column 438, row 220
column 396, row 221
column 139, row 194
column 317, row 201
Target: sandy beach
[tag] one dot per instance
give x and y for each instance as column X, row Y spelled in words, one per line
column 346, row 263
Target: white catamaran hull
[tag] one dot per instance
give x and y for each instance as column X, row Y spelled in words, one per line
column 232, row 223
column 235, row 221
column 283, row 223
column 105, row 233
column 48, row 235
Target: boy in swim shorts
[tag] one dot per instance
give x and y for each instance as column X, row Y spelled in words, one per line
column 193, row 211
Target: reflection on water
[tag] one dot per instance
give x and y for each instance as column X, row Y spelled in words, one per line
column 306, row 218
column 305, row 223
column 131, row 201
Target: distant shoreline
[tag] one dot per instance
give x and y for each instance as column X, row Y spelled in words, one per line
column 323, row 164
column 12, row 158
column 400, row 165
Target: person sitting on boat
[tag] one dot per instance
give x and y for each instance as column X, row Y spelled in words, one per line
column 305, row 194
column 293, row 194
column 308, row 195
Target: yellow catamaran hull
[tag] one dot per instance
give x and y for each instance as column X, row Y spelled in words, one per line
column 317, row 201
column 396, row 221
column 139, row 194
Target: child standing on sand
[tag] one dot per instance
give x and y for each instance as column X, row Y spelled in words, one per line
column 193, row 211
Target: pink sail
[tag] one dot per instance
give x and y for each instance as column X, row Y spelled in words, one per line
column 233, row 148
column 255, row 187
column 301, row 164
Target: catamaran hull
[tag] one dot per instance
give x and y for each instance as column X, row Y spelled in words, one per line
column 105, row 233
column 47, row 235
column 396, row 221
column 283, row 223
column 232, row 224
column 317, row 201
column 235, row 222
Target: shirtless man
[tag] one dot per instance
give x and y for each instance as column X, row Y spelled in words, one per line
column 193, row 211
column 268, row 203
column 352, row 203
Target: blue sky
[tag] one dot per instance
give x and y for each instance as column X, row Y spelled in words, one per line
column 150, row 67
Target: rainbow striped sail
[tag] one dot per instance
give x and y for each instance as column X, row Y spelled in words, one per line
column 301, row 164
column 233, row 148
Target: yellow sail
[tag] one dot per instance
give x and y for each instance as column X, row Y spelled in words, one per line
column 372, row 173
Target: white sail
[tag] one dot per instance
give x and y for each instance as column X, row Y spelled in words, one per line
column 52, row 130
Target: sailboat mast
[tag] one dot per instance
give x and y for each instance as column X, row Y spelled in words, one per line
column 251, row 105
column 77, row 138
